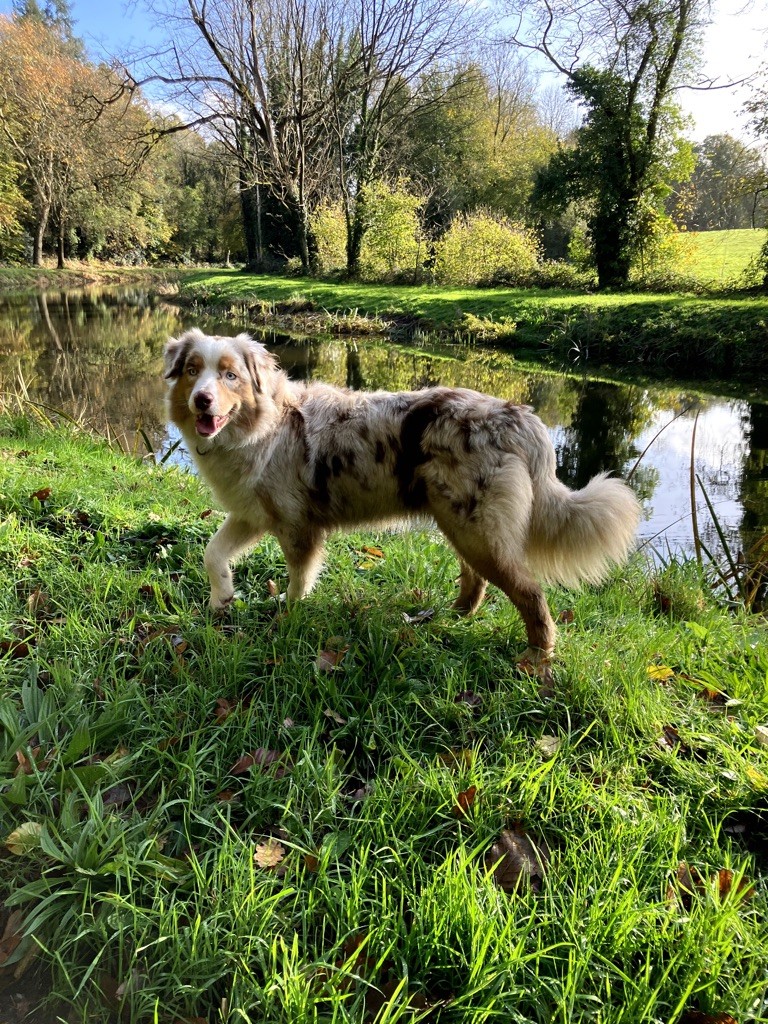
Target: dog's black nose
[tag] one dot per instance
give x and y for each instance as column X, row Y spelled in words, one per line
column 203, row 401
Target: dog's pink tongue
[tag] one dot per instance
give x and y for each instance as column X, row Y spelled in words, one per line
column 205, row 425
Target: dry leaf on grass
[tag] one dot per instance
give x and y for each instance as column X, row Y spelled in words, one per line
column 516, row 860
column 548, row 745
column 12, row 935
column 43, row 494
column 566, row 617
column 660, row 673
column 263, row 759
column 464, row 802
column 459, row 758
column 268, row 854
column 372, row 551
column 25, row 838
column 418, row 617
column 334, row 716
column 330, row 659
column 761, row 735
column 670, row 741
column 470, row 698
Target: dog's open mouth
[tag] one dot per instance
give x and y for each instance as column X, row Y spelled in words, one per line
column 207, row 425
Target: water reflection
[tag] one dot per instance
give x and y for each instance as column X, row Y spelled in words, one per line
column 96, row 355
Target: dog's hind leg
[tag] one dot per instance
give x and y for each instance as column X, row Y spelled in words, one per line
column 233, row 537
column 471, row 589
column 304, row 559
column 490, row 559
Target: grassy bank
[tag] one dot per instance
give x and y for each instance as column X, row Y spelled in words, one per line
column 721, row 257
column 296, row 816
column 685, row 334
column 80, row 275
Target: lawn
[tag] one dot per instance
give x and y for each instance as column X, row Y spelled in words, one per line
column 359, row 809
column 721, row 257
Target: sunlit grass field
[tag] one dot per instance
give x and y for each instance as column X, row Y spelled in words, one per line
column 721, row 257
column 358, row 809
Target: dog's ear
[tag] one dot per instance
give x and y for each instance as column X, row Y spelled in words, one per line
column 261, row 364
column 175, row 355
column 177, row 350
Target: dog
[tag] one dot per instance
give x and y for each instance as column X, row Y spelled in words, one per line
column 301, row 460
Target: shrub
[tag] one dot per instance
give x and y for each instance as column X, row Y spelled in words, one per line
column 393, row 242
column 329, row 226
column 479, row 247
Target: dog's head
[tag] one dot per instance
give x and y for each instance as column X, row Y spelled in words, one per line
column 219, row 384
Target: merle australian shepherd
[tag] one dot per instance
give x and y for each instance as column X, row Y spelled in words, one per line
column 302, row 460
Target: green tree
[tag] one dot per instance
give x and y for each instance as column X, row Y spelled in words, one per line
column 13, row 208
column 729, row 186
column 621, row 61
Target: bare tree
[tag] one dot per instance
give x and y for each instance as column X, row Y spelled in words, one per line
column 389, row 47
column 256, row 73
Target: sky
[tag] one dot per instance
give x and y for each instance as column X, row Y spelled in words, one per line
column 735, row 45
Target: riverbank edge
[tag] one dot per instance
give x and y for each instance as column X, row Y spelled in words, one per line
column 723, row 336
column 84, row 275
column 152, row 728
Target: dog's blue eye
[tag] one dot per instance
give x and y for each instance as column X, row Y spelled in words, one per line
column 192, row 371
column 231, row 376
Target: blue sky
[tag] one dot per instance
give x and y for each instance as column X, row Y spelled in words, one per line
column 734, row 45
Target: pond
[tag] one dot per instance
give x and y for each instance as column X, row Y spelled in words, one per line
column 96, row 356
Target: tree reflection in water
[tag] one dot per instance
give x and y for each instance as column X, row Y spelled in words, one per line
column 96, row 354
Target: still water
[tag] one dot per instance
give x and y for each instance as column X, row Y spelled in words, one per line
column 96, row 356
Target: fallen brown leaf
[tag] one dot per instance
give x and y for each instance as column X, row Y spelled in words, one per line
column 670, row 740
column 12, row 935
column 724, row 883
column 263, row 759
column 224, row 709
column 15, row 648
column 464, row 801
column 329, row 660
column 335, row 716
column 43, row 494
column 268, row 854
column 686, row 884
column 418, row 617
column 459, row 758
column 566, row 616
column 25, row 838
column 516, row 860
column 470, row 698
column 372, row 551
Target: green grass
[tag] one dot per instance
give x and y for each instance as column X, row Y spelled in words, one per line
column 125, row 707
column 721, row 257
column 716, row 335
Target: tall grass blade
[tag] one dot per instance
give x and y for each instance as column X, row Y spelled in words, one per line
column 692, row 481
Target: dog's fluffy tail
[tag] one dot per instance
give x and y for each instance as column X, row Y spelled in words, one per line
column 576, row 536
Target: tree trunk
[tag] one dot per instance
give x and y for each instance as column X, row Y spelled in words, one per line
column 355, row 233
column 250, row 211
column 37, row 243
column 611, row 245
column 60, row 246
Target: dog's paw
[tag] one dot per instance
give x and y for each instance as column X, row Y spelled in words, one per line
column 219, row 604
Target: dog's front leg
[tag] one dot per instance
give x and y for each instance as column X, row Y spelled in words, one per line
column 304, row 558
column 233, row 537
